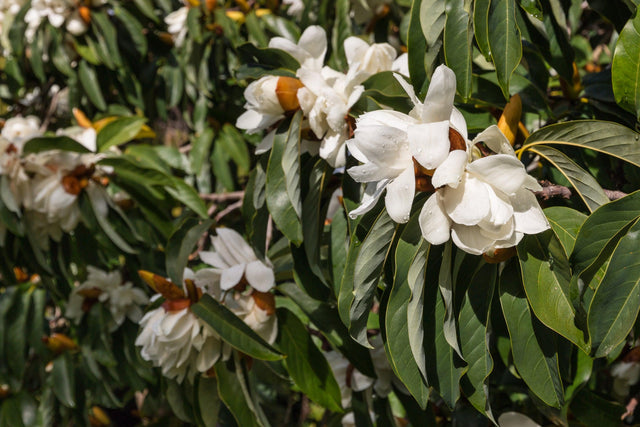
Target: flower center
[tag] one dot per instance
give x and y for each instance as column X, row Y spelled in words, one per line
column 77, row 179
column 287, row 92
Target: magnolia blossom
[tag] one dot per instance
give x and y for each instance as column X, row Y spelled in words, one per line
column 234, row 261
column 310, row 49
column 485, row 204
column 177, row 25
column 369, row 59
column 388, row 144
column 19, row 130
column 57, row 12
column 122, row 299
column 296, row 7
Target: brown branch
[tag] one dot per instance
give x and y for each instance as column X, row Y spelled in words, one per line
column 550, row 190
column 232, row 207
column 614, row 194
column 235, row 195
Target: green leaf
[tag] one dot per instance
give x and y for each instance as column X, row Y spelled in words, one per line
column 207, row 401
column 534, row 347
column 601, row 232
column 594, row 411
column 97, row 198
column 417, row 46
column 230, row 390
column 339, row 247
column 119, row 131
column 458, row 39
column 371, row 259
column 616, row 302
column 283, row 179
column 11, row 413
column 180, row 246
column 305, row 363
column 15, row 333
column 235, row 146
column 325, row 318
column 625, row 69
column 267, row 58
column 313, row 215
column 341, row 30
column 146, row 8
column 474, row 330
column 183, row 192
column 47, row 143
column 233, row 330
column 398, row 342
column 566, row 223
column 582, row 181
column 481, row 26
column 504, row 41
column 546, row 276
column 90, row 84
column 415, row 307
column 605, row 137
column 200, row 147
column 134, row 28
column 64, row 383
column 103, row 26
column 445, row 284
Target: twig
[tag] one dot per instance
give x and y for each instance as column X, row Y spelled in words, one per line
column 50, row 111
column 269, row 234
column 232, row 207
column 614, row 194
column 185, row 149
column 222, row 197
column 550, row 190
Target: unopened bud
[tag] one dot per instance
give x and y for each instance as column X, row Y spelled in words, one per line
column 287, row 92
column 496, row 256
column 21, row 275
column 59, row 343
column 235, row 15
column 81, row 118
column 98, row 418
column 162, row 286
column 85, row 14
column 510, row 119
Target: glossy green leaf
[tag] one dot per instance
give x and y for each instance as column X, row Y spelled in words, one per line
column 305, row 363
column 473, row 319
column 417, row 46
column 15, row 339
column 146, row 7
column 446, row 286
column 371, row 259
column 339, row 247
column 11, row 413
column 233, row 330
column 625, row 72
column 200, row 147
column 313, row 216
column 91, row 85
column 605, row 137
column 283, row 179
column 398, row 342
column 582, row 181
column 341, row 30
column 133, row 27
column 533, row 346
column 415, row 306
column 594, row 411
column 616, row 302
column 267, row 58
column 119, row 131
column 325, row 318
column 458, row 39
column 181, row 244
column 546, row 276
column 97, row 197
column 231, row 140
column 481, row 26
column 185, row 193
column 504, row 41
column 64, row 143
column 566, row 223
column 601, row 232
column 207, row 401
column 64, row 382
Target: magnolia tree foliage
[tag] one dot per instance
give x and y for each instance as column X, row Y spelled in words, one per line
column 351, row 212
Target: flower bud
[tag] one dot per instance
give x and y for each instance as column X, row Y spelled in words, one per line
column 496, row 256
column 81, row 118
column 85, row 14
column 287, row 92
column 510, row 119
column 59, row 343
column 98, row 418
column 162, row 286
column 265, row 300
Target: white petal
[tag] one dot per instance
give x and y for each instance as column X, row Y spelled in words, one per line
column 429, row 143
column 399, row 198
column 266, row 143
column 501, row 209
column 314, row 41
column 407, row 88
column 495, row 140
column 236, row 244
column 384, row 145
column 209, row 279
column 438, row 104
column 527, row 214
column 355, row 49
column 372, row 193
column 469, row 203
column 459, row 123
column 213, row 259
column 231, row 276
column 332, row 148
column 209, row 354
column 450, row 171
column 253, row 121
column 470, row 240
column 434, row 223
column 502, row 171
column 259, row 276
column 372, row 172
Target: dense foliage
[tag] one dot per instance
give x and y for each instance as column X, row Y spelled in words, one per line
column 319, row 212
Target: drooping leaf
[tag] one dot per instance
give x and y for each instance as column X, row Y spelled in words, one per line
column 458, row 36
column 625, row 70
column 534, row 347
column 181, row 244
column 504, row 41
column 481, row 26
column 306, row 364
column 566, row 223
column 229, row 391
column 233, row 330
column 64, row 143
column 119, row 131
column 90, row 84
column 64, row 382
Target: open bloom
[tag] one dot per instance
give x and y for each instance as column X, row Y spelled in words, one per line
column 57, row 12
column 310, row 49
column 122, row 299
column 234, row 262
column 18, row 130
column 389, row 144
column 485, row 204
column 177, row 25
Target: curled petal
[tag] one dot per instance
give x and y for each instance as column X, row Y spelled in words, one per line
column 450, row 171
column 529, row 217
column 434, row 223
column 429, row 143
column 469, row 203
column 259, row 276
column 470, row 240
column 399, row 198
column 438, row 104
column 372, row 193
column 231, row 276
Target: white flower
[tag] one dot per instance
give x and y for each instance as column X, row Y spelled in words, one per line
column 369, row 59
column 247, row 308
column 388, row 142
column 263, row 107
column 483, row 205
column 122, row 299
column 310, row 49
column 348, row 378
column 177, row 25
column 625, row 375
column 234, row 260
column 296, row 7
column 18, row 130
column 56, row 12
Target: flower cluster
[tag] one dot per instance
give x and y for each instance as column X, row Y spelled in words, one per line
column 482, row 197
column 46, row 184
column 58, row 12
column 173, row 338
column 323, row 94
column 122, row 299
